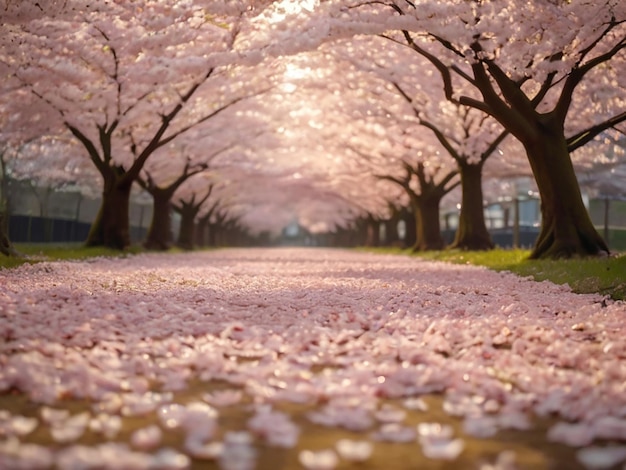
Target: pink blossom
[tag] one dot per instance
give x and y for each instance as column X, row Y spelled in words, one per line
column 394, row 432
column 292, row 327
column 15, row 454
column 597, row 458
column 238, row 453
column 354, row 451
column 390, row 414
column 106, row 425
column 223, row 398
column 573, row 434
column 275, row 427
column 146, row 438
column 71, row 429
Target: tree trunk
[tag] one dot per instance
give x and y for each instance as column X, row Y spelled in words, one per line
column 392, row 238
column 566, row 228
column 111, row 226
column 427, row 224
column 212, row 236
column 6, row 247
column 201, row 232
column 410, row 225
column 472, row 231
column 373, row 233
column 159, row 233
column 187, row 228
column 359, row 233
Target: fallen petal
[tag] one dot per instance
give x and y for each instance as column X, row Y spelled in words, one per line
column 354, row 451
column 318, row 460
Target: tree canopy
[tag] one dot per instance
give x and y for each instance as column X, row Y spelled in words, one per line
column 301, row 106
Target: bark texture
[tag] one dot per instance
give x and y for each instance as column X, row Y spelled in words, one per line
column 6, row 247
column 111, row 227
column 428, row 229
column 472, row 233
column 159, row 233
column 566, row 228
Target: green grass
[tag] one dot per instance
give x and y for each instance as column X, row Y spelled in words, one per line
column 34, row 253
column 589, row 275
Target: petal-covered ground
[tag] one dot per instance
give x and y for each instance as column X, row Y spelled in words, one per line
column 305, row 358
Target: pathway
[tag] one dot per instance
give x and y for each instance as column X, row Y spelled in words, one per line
column 294, row 358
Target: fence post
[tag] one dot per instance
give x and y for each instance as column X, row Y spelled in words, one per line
column 516, row 234
column 607, row 208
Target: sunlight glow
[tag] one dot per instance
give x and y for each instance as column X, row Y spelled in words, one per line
column 293, row 73
column 286, row 8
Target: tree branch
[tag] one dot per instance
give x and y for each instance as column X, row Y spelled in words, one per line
column 577, row 75
column 583, row 137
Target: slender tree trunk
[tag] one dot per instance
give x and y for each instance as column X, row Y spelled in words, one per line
column 472, row 231
column 111, row 226
column 566, row 228
column 427, row 224
column 212, row 238
column 201, row 231
column 159, row 233
column 392, row 238
column 373, row 232
column 6, row 247
column 187, row 228
column 360, row 233
column 219, row 235
column 410, row 226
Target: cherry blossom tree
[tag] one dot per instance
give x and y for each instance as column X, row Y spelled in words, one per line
column 470, row 159
column 204, row 234
column 165, row 174
column 188, row 208
column 426, row 201
column 32, row 150
column 300, row 167
column 6, row 247
column 158, row 236
column 205, row 202
column 528, row 83
column 412, row 161
column 468, row 136
column 132, row 82
column 526, row 67
column 140, row 76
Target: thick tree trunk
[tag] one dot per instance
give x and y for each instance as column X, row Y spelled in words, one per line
column 159, row 233
column 111, row 226
column 566, row 228
column 427, row 225
column 472, row 231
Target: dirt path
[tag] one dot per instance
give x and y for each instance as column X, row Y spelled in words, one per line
column 252, row 358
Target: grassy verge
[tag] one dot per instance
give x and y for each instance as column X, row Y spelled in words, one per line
column 590, row 275
column 34, row 253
